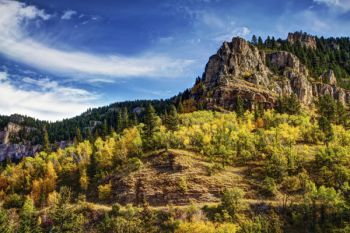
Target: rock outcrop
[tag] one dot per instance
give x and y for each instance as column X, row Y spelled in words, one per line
column 303, row 38
column 15, row 151
column 240, row 69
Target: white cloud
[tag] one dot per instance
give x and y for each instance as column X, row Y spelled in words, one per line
column 240, row 31
column 217, row 27
column 3, row 76
column 68, row 14
column 15, row 44
column 46, row 99
column 343, row 5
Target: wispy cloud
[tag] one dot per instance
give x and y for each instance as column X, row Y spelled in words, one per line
column 68, row 14
column 15, row 44
column 343, row 5
column 44, row 99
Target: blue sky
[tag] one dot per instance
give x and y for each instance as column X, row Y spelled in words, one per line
column 59, row 57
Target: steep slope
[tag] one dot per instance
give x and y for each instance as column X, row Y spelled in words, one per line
column 175, row 177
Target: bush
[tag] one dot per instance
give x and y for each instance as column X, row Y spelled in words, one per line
column 13, row 201
column 183, row 184
column 231, row 202
column 104, row 191
column 269, row 187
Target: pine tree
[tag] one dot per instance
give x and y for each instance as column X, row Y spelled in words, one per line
column 327, row 110
column 125, row 118
column 92, row 168
column 172, row 119
column 28, row 222
column 89, row 135
column 63, row 216
column 288, row 104
column 260, row 42
column 135, row 120
column 254, row 40
column 105, row 128
column 239, row 106
column 78, row 135
column 180, row 108
column 151, row 124
column 5, row 226
column 119, row 123
column 46, row 141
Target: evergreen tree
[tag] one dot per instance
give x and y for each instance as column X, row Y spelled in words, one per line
column 260, row 42
column 105, row 128
column 180, row 108
column 172, row 119
column 135, row 120
column 327, row 111
column 342, row 115
column 28, row 222
column 5, row 225
column 78, row 135
column 151, row 124
column 46, row 141
column 254, row 40
column 288, row 104
column 64, row 218
column 89, row 135
column 239, row 106
column 92, row 168
column 119, row 123
column 125, row 118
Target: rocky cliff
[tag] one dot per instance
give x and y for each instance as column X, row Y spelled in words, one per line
column 15, row 151
column 240, row 69
column 303, row 38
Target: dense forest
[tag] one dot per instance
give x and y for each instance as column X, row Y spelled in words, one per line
column 294, row 170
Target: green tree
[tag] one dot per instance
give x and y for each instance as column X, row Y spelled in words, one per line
column 125, row 118
column 288, row 104
column 105, row 128
column 231, row 202
column 46, row 141
column 260, row 42
column 28, row 222
column 172, row 119
column 119, row 123
column 151, row 124
column 327, row 110
column 254, row 40
column 135, row 120
column 239, row 106
column 89, row 135
column 180, row 107
column 64, row 217
column 5, row 225
column 78, row 135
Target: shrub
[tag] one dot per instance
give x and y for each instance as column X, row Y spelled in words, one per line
column 13, row 201
column 183, row 184
column 104, row 191
column 269, row 187
column 231, row 202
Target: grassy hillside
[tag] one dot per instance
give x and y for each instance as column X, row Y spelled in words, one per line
column 196, row 172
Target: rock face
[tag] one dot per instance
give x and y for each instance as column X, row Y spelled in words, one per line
column 329, row 78
column 240, row 69
column 14, row 151
column 303, row 38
